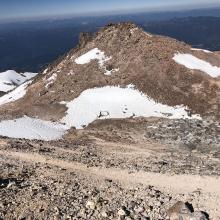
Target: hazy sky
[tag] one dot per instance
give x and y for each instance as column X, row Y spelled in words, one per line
column 38, row 8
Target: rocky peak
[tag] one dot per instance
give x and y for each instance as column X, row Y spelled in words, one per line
column 123, row 26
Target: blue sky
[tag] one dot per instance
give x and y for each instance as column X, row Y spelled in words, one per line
column 38, row 8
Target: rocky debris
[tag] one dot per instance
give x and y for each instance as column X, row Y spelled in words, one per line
column 190, row 146
column 181, row 157
column 91, row 205
column 10, row 182
column 184, row 211
column 47, row 191
column 191, row 134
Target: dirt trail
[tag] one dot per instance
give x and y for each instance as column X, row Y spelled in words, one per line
column 175, row 183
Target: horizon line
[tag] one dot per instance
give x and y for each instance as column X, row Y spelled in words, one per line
column 108, row 13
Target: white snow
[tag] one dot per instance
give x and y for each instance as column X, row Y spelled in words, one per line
column 96, row 54
column 116, row 102
column 194, row 63
column 45, row 71
column 10, row 79
column 16, row 94
column 51, row 80
column 31, row 128
column 197, row 49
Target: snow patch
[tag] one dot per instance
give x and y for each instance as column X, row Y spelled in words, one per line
column 96, row 54
column 116, row 102
column 51, row 80
column 194, row 63
column 10, row 79
column 16, row 94
column 45, row 71
column 149, row 35
column 197, row 49
column 31, row 128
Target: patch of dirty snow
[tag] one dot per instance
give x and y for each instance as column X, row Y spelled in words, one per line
column 149, row 35
column 197, row 49
column 31, row 128
column 194, row 63
column 71, row 73
column 10, row 79
column 16, row 94
column 96, row 54
column 116, row 102
column 51, row 80
column 45, row 71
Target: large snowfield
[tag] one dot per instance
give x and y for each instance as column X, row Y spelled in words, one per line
column 10, row 79
column 116, row 102
column 194, row 63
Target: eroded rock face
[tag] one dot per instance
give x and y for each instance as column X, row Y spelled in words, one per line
column 84, row 38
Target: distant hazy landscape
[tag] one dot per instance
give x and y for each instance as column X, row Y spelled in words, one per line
column 31, row 45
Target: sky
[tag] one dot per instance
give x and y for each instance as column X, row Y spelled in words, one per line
column 10, row 9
